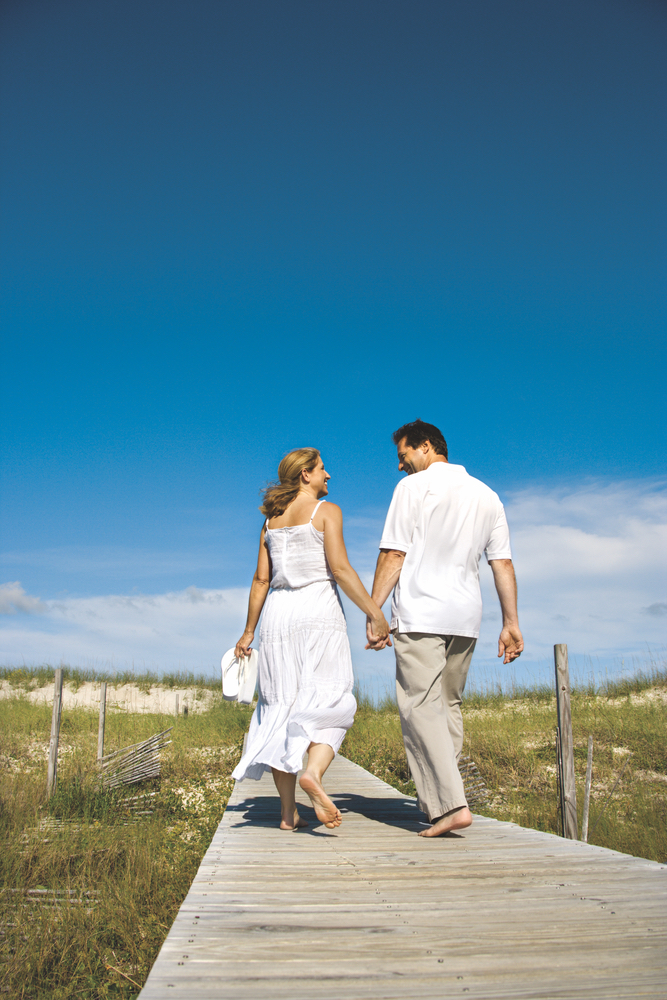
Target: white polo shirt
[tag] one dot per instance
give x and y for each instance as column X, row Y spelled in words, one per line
column 443, row 520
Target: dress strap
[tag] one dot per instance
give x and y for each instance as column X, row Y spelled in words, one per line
column 315, row 509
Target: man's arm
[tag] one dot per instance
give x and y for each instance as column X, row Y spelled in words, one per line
column 510, row 642
column 387, row 572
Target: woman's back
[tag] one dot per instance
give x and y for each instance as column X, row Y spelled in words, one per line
column 300, row 511
column 297, row 551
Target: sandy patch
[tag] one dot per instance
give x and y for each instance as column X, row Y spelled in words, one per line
column 655, row 695
column 158, row 700
column 510, row 707
column 651, row 776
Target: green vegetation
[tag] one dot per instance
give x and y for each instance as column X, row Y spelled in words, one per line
column 90, row 881
column 124, row 874
column 512, row 740
column 30, row 677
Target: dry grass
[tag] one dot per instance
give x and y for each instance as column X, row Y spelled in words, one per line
column 27, row 678
column 89, row 887
column 512, row 741
column 90, row 883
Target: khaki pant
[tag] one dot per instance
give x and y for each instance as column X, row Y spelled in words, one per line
column 431, row 673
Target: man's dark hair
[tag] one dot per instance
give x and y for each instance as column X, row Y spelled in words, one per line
column 417, row 432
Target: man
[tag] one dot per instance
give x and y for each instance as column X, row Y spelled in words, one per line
column 439, row 523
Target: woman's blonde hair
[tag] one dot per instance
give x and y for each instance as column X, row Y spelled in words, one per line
column 278, row 496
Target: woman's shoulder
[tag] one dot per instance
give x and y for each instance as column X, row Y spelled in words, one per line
column 330, row 512
column 330, row 508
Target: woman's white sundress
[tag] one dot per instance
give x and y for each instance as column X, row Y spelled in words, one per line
column 305, row 675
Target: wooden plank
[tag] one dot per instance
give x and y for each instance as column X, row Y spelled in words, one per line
column 587, row 790
column 102, row 721
column 568, row 784
column 370, row 910
column 52, row 769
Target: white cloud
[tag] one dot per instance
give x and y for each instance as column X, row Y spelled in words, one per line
column 590, row 563
column 600, row 508
column 189, row 629
column 13, row 599
column 591, row 569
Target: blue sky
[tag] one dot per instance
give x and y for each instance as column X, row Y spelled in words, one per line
column 230, row 229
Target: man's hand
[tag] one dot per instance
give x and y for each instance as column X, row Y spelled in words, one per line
column 374, row 640
column 510, row 643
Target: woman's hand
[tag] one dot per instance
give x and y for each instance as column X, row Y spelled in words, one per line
column 242, row 648
column 377, row 631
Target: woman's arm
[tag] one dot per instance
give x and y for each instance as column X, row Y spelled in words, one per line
column 261, row 582
column 344, row 575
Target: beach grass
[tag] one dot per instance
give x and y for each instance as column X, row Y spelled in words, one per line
column 512, row 740
column 41, row 675
column 90, row 881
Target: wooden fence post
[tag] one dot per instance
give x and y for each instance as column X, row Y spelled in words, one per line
column 559, row 783
column 103, row 715
column 587, row 792
column 567, row 747
column 52, row 772
column 176, row 704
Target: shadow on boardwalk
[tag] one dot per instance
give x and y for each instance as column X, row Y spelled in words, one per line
column 398, row 812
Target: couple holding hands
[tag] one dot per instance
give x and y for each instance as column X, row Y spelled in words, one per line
column 439, row 523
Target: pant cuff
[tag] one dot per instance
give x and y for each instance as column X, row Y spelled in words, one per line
column 441, row 808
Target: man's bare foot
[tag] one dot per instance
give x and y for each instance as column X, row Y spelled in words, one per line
column 325, row 810
column 459, row 819
column 296, row 824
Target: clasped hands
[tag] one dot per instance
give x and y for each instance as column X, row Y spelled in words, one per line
column 378, row 637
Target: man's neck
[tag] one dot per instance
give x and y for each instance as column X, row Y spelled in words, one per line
column 436, row 458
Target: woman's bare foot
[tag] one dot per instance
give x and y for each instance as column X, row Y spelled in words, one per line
column 325, row 810
column 459, row 819
column 296, row 823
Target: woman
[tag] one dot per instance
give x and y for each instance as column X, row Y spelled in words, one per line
column 305, row 669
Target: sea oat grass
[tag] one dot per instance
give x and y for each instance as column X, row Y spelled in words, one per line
column 42, row 675
column 90, row 881
column 512, row 740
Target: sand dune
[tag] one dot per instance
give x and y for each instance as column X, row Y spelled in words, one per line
column 123, row 698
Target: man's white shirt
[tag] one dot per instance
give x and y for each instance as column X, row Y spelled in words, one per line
column 443, row 519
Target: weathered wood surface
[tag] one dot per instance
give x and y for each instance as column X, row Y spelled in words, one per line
column 587, row 790
column 568, row 783
column 102, row 722
column 373, row 911
column 52, row 767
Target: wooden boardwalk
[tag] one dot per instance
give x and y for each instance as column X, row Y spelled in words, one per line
column 373, row 911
